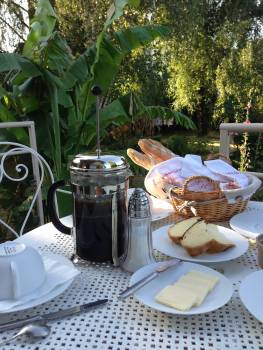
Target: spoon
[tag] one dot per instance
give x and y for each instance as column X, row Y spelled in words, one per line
column 33, row 331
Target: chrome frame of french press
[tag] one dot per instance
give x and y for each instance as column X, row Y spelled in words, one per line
column 114, row 239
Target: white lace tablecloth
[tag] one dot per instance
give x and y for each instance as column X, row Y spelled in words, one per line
column 129, row 324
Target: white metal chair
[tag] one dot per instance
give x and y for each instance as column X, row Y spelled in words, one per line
column 225, row 137
column 23, row 171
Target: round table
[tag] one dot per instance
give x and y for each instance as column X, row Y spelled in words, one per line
column 128, row 324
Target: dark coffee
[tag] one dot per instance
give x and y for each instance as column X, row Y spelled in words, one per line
column 93, row 225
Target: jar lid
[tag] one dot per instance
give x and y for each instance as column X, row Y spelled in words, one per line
column 104, row 163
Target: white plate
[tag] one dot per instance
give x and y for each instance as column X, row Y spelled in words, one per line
column 160, row 208
column 250, row 293
column 218, row 297
column 163, row 243
column 51, row 295
column 249, row 223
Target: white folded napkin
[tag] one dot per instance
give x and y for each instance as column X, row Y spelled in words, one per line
column 220, row 168
column 57, row 273
column 174, row 172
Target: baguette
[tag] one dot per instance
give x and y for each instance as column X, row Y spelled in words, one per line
column 141, row 159
column 155, row 150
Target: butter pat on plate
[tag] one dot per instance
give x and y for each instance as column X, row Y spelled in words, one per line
column 177, row 297
column 159, row 293
column 190, row 290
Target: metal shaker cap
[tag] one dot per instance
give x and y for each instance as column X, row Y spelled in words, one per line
column 139, row 206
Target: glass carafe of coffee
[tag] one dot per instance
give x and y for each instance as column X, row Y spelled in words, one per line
column 99, row 188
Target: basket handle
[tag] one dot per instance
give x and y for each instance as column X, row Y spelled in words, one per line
column 215, row 184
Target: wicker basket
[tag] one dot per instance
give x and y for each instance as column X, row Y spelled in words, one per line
column 210, row 206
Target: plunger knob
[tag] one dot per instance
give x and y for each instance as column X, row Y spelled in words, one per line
column 96, row 90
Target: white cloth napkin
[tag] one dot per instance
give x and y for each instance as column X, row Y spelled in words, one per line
column 174, row 172
column 57, row 273
column 221, row 168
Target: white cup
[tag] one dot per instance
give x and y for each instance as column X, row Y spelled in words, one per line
column 21, row 269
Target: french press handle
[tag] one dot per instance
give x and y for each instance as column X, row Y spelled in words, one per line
column 51, row 207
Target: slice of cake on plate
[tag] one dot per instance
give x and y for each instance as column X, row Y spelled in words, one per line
column 197, row 240
column 198, row 237
column 219, row 242
column 178, row 230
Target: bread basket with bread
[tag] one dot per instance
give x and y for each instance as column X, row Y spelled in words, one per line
column 210, row 206
column 195, row 188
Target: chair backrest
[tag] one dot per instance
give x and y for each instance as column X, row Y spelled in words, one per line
column 22, row 170
column 226, row 129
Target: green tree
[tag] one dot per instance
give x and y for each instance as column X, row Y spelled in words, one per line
column 13, row 25
column 205, row 34
column 239, row 79
column 81, row 21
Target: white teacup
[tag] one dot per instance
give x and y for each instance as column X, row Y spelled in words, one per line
column 21, row 269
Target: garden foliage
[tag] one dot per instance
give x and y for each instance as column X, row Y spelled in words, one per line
column 50, row 85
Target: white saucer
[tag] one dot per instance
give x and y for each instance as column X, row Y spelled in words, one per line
column 163, row 243
column 248, row 223
column 160, row 208
column 250, row 293
column 218, row 297
column 46, row 297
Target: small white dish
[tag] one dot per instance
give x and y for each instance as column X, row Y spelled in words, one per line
column 21, row 269
column 250, row 293
column 160, row 208
column 44, row 293
column 218, row 297
column 248, row 223
column 163, row 243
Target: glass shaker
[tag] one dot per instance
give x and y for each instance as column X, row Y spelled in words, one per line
column 139, row 251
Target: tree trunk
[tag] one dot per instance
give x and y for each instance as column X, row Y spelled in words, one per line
column 203, row 112
column 31, row 8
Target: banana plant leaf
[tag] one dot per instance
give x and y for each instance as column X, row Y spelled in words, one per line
column 41, row 28
column 13, row 62
column 7, row 116
column 167, row 113
column 132, row 38
column 57, row 54
column 128, row 108
column 3, row 92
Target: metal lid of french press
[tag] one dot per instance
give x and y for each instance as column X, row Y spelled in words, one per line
column 105, row 163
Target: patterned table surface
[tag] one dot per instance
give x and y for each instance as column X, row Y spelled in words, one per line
column 128, row 324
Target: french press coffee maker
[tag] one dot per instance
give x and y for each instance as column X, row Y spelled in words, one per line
column 99, row 186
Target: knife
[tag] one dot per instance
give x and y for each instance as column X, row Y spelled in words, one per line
column 139, row 284
column 53, row 315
